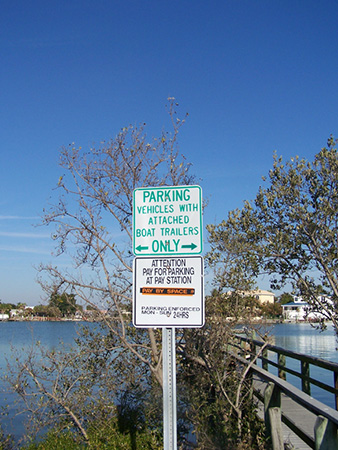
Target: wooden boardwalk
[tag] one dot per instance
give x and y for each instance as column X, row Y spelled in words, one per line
column 304, row 418
column 293, row 418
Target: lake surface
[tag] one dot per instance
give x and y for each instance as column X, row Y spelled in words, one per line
column 304, row 338
column 22, row 336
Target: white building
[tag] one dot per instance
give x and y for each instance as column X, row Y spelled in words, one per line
column 299, row 310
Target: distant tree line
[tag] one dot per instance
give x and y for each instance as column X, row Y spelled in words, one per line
column 59, row 305
column 64, row 305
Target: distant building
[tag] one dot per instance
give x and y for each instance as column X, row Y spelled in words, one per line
column 14, row 312
column 299, row 310
column 260, row 295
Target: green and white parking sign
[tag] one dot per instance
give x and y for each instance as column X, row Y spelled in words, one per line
column 167, row 221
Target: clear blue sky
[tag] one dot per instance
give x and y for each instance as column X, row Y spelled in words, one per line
column 255, row 76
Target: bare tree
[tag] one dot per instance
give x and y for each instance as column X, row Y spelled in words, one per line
column 92, row 220
column 90, row 215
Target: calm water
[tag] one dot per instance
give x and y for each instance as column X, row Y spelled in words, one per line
column 22, row 336
column 303, row 338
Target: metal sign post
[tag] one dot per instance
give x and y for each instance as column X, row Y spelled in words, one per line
column 168, row 276
column 169, row 389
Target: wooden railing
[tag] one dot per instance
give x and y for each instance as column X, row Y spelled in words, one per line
column 325, row 435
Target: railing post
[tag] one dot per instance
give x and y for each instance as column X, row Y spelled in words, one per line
column 243, row 347
column 265, row 364
column 281, row 364
column 253, row 351
column 231, row 345
column 326, row 437
column 335, row 374
column 305, row 370
column 273, row 416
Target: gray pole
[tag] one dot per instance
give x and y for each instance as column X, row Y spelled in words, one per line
column 169, row 389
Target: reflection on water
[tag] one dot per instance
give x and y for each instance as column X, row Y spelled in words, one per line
column 304, row 338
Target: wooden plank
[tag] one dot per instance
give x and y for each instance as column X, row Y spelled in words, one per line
column 302, row 413
column 300, row 397
column 302, row 417
column 290, row 439
column 325, row 435
column 275, row 417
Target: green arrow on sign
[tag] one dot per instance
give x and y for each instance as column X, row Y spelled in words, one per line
column 140, row 248
column 191, row 246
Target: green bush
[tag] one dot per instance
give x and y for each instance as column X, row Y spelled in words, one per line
column 107, row 437
column 6, row 441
